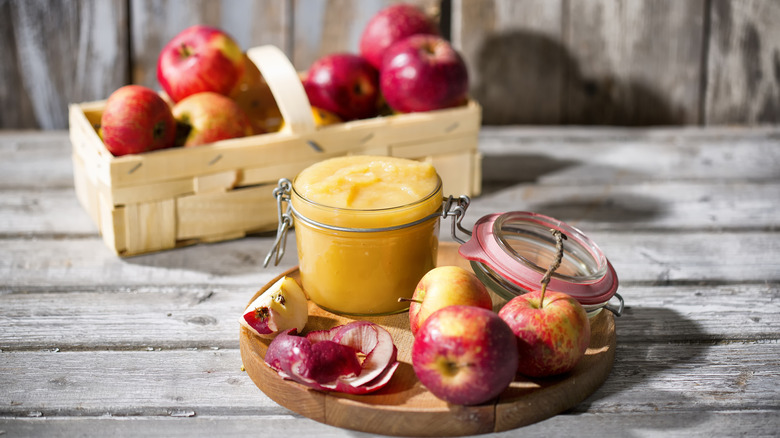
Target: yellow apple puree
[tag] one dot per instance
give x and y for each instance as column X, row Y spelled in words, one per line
column 347, row 265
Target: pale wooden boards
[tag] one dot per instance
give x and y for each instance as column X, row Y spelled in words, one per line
column 149, row 345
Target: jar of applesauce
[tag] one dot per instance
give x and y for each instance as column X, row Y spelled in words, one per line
column 366, row 229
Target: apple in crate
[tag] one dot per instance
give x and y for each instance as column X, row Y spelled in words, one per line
column 390, row 25
column 465, row 355
column 423, row 73
column 344, row 84
column 445, row 286
column 136, row 120
column 200, row 58
column 552, row 329
column 208, row 117
column 280, row 308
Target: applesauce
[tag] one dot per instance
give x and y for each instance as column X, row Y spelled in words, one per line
column 366, row 230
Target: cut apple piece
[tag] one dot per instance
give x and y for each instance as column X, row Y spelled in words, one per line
column 282, row 307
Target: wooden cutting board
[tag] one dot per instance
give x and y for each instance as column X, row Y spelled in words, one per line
column 405, row 408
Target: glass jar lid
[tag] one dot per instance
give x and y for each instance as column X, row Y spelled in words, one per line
column 517, row 249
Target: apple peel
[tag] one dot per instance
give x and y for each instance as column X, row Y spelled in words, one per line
column 327, row 360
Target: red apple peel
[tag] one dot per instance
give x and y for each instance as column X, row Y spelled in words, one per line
column 327, row 360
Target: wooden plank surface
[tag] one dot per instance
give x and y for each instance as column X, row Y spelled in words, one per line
column 98, row 345
column 696, row 62
column 743, row 79
column 517, row 65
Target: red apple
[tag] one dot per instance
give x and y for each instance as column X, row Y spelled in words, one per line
column 200, row 58
column 446, row 286
column 552, row 335
column 465, row 355
column 390, row 25
column 210, row 117
column 344, row 84
column 135, row 120
column 423, row 73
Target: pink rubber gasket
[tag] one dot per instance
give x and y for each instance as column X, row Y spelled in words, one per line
column 483, row 247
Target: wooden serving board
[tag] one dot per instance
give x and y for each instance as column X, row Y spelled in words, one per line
column 405, row 408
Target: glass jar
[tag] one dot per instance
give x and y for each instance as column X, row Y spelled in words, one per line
column 511, row 252
column 360, row 261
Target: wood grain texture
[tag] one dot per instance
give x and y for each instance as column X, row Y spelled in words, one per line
column 553, row 62
column 91, row 344
column 63, row 52
column 517, row 66
column 743, row 66
column 634, row 63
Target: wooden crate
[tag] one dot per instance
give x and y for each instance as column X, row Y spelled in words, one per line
column 180, row 196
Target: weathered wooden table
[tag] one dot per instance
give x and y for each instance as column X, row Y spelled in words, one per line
column 91, row 344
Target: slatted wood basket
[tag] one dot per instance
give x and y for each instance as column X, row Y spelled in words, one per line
column 181, row 196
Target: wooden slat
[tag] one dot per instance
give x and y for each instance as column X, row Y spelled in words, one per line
column 743, row 82
column 56, row 53
column 657, row 423
column 583, row 156
column 516, row 59
column 673, row 378
column 219, row 213
column 634, row 63
column 150, row 226
column 642, row 257
column 174, row 316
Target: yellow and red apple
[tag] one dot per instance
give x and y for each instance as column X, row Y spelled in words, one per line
column 445, row 286
column 552, row 329
column 465, row 355
column 199, row 59
column 136, row 120
column 208, row 117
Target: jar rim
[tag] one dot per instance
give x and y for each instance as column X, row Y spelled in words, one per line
column 512, row 261
column 424, row 199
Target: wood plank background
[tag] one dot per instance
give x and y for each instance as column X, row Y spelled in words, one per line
column 697, row 352
column 541, row 62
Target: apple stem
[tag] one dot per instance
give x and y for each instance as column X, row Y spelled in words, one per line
column 559, row 238
column 403, row 300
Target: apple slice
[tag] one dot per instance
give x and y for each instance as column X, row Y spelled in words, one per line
column 282, row 307
column 327, row 360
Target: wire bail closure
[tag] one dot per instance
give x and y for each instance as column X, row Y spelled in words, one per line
column 285, row 219
column 286, row 214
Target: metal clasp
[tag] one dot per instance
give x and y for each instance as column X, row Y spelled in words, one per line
column 616, row 310
column 456, row 208
column 285, row 217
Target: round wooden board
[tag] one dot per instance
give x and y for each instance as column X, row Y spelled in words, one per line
column 405, row 408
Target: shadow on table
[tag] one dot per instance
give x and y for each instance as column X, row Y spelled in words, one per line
column 608, row 209
column 237, row 257
column 651, row 342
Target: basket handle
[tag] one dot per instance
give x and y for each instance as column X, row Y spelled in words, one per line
column 285, row 86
